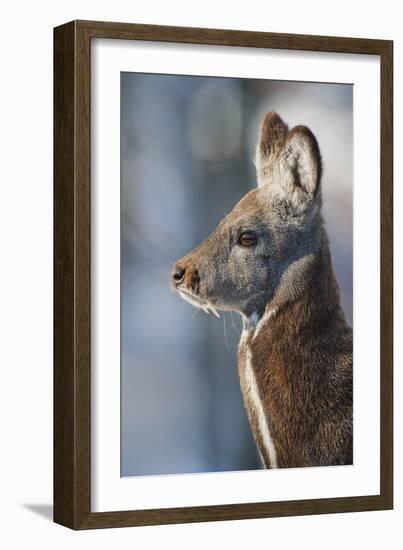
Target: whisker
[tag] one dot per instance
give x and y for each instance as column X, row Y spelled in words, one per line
column 233, row 325
column 196, row 312
column 225, row 333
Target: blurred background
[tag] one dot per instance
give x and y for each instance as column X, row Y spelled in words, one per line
column 187, row 149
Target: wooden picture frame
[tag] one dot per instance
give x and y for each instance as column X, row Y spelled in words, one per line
column 72, row 270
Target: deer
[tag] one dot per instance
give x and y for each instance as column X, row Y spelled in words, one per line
column 269, row 260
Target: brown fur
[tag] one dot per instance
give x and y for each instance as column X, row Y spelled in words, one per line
column 302, row 360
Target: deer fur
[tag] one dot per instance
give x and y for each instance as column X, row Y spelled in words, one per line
column 269, row 260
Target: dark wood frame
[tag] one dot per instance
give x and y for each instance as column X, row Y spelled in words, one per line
column 72, row 292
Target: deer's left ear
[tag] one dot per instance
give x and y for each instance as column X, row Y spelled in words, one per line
column 300, row 168
column 272, row 135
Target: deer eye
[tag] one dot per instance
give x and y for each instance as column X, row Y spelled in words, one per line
column 247, row 238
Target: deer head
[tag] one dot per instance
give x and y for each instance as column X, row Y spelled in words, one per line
column 241, row 265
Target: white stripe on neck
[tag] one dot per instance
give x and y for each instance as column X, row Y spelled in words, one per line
column 268, row 315
column 256, row 402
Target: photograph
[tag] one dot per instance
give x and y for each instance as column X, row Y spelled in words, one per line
column 199, row 225
column 223, row 290
column 236, row 274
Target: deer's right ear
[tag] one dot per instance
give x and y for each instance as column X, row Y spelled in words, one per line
column 273, row 133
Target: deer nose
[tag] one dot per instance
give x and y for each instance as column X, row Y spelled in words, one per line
column 178, row 274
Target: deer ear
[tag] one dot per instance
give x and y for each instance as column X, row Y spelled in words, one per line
column 272, row 135
column 300, row 169
column 302, row 157
column 289, row 163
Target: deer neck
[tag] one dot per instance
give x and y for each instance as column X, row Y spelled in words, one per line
column 306, row 285
column 274, row 357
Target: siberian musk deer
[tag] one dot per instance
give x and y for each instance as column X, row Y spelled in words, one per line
column 269, row 260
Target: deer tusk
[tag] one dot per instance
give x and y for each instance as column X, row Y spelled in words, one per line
column 205, row 310
column 214, row 311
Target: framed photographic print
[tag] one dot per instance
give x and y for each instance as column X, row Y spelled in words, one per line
column 222, row 275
